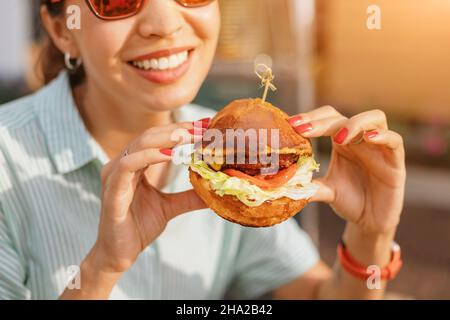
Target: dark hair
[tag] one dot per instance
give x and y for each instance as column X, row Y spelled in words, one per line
column 52, row 59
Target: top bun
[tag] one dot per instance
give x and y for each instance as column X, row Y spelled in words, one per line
column 256, row 114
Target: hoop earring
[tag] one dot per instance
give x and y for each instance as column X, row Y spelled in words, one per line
column 69, row 64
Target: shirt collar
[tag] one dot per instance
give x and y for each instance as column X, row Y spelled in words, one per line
column 70, row 144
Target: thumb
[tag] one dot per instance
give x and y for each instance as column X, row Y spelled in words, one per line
column 325, row 193
column 182, row 202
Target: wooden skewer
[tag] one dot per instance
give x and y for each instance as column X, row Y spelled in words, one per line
column 267, row 78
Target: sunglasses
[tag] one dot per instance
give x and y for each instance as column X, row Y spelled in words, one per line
column 120, row 9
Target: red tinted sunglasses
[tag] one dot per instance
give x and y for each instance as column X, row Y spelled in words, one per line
column 120, row 9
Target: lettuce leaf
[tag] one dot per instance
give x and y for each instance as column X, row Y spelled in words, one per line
column 297, row 188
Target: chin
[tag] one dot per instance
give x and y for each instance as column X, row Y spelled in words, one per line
column 163, row 103
column 171, row 97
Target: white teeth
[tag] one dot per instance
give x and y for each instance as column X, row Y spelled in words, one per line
column 154, row 64
column 163, row 63
column 183, row 56
column 173, row 61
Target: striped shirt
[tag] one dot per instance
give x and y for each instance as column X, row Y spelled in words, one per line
column 49, row 214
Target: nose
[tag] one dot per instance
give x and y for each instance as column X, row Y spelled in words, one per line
column 160, row 18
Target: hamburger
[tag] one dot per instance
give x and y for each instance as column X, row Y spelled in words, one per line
column 237, row 181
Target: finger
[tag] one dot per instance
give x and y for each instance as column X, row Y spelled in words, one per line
column 179, row 203
column 356, row 126
column 106, row 171
column 316, row 114
column 124, row 172
column 322, row 127
column 202, row 123
column 325, row 193
column 163, row 137
column 169, row 137
column 388, row 138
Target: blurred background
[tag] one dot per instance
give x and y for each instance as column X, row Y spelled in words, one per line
column 323, row 53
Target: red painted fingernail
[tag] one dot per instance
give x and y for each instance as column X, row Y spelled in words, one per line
column 202, row 123
column 166, row 152
column 340, row 137
column 304, row 128
column 197, row 131
column 207, row 120
column 371, row 134
column 295, row 121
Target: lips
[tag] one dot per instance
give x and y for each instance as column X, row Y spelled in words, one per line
column 164, row 66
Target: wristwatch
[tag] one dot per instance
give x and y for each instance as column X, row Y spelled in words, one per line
column 362, row 272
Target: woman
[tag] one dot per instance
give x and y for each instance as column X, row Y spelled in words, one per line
column 83, row 160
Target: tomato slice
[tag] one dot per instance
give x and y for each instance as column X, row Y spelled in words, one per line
column 265, row 182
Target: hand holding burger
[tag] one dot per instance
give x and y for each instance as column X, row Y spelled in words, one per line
column 364, row 183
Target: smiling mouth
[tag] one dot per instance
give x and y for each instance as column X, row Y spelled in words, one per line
column 169, row 62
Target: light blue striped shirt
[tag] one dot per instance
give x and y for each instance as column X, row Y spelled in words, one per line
column 49, row 214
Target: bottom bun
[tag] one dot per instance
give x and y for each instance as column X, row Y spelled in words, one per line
column 232, row 209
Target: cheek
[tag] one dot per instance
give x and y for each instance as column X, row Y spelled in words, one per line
column 205, row 23
column 101, row 45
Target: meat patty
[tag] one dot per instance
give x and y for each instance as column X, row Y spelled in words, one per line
column 285, row 160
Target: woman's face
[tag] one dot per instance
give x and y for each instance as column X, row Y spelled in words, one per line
column 156, row 59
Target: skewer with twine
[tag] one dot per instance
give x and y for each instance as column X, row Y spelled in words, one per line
column 266, row 79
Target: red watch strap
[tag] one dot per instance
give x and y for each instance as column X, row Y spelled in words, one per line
column 359, row 271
